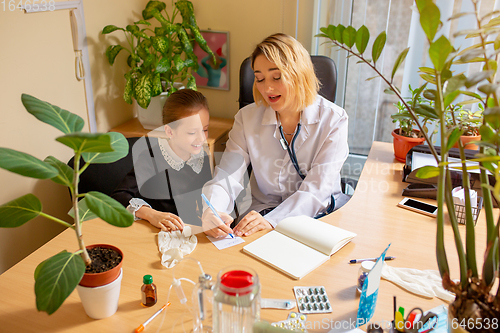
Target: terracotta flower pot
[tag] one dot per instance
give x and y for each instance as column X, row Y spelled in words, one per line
column 468, row 138
column 403, row 144
column 101, row 279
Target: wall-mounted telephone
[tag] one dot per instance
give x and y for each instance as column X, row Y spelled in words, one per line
column 78, row 40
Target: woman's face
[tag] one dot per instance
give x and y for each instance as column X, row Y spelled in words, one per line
column 269, row 82
column 189, row 135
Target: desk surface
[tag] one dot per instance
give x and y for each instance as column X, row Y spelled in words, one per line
column 371, row 213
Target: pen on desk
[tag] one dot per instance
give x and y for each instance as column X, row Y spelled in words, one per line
column 143, row 326
column 357, row 261
column 213, row 210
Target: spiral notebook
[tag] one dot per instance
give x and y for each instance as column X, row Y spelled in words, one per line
column 298, row 245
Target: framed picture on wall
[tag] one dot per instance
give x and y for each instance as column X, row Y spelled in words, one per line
column 210, row 75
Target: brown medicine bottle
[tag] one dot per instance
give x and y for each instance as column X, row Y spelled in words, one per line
column 148, row 291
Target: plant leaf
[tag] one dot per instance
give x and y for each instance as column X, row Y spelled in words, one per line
column 453, row 84
column 427, row 171
column 191, row 83
column 85, row 213
column 428, row 78
column 25, row 165
column 430, row 20
column 449, row 98
column 399, row 61
column 65, row 176
column 109, row 209
column 426, row 111
column 119, row 144
column 110, row 28
column 492, row 117
column 112, row 51
column 19, row 211
column 153, row 7
column 338, row 33
column 349, row 36
column 453, row 138
column 439, row 51
column 362, row 38
column 142, row 89
column 63, row 120
column 87, row 142
column 488, row 88
column 56, row 279
column 477, row 77
column 128, row 93
column 378, row 46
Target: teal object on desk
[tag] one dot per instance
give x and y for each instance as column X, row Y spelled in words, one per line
column 213, row 210
column 369, row 293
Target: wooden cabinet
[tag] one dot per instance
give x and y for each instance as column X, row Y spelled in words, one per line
column 218, row 131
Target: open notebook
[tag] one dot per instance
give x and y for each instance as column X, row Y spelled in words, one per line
column 298, row 245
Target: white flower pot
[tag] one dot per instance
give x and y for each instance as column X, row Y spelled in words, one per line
column 101, row 302
column 152, row 118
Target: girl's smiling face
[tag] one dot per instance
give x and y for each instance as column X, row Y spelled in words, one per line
column 189, row 134
column 269, row 82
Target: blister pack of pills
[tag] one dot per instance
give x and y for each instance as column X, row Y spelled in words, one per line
column 312, row 299
column 295, row 322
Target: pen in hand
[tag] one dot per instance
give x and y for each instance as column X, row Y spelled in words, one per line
column 357, row 261
column 214, row 211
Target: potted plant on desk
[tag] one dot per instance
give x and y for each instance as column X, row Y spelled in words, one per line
column 477, row 304
column 406, row 136
column 160, row 59
column 468, row 122
column 58, row 276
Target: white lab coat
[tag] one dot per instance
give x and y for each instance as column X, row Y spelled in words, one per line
column 321, row 149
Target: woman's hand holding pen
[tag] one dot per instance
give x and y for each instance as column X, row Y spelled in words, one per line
column 251, row 223
column 165, row 221
column 213, row 226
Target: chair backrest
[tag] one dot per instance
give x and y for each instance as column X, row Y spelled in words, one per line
column 105, row 177
column 325, row 69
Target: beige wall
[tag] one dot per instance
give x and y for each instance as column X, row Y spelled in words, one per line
column 37, row 58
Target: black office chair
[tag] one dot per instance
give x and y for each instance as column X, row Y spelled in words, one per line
column 325, row 69
column 105, row 177
column 326, row 72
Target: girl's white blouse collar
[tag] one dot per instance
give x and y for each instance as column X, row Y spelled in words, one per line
column 195, row 161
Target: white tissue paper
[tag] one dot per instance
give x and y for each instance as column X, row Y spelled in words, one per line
column 458, row 194
column 425, row 283
column 175, row 245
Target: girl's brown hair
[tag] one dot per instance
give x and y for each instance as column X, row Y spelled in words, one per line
column 182, row 104
column 295, row 65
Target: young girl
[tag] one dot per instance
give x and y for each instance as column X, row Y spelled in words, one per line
column 164, row 187
column 288, row 112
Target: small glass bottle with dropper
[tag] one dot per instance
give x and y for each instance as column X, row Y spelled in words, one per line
column 148, row 291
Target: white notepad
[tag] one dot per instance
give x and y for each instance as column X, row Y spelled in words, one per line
column 298, row 245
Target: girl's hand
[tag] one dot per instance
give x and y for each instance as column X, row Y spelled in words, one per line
column 251, row 223
column 165, row 221
column 213, row 226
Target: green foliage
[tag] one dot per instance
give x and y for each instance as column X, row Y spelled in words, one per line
column 56, row 279
column 164, row 54
column 58, row 276
column 474, row 298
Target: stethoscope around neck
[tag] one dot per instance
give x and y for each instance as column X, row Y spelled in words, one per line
column 291, row 152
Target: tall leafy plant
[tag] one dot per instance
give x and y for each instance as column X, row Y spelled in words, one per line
column 58, row 276
column 164, row 54
column 476, row 303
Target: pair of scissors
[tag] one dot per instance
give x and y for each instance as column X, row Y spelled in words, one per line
column 413, row 326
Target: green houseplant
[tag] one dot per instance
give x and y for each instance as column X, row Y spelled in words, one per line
column 58, row 276
column 477, row 303
column 468, row 121
column 405, row 135
column 161, row 56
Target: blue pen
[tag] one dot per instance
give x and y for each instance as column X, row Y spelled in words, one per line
column 213, row 210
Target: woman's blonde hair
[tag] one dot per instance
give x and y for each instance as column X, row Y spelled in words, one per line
column 297, row 71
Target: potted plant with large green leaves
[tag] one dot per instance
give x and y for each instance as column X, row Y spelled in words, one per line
column 59, row 275
column 159, row 57
column 406, row 136
column 477, row 304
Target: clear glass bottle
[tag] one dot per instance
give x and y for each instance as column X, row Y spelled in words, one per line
column 236, row 304
column 148, row 291
column 364, row 269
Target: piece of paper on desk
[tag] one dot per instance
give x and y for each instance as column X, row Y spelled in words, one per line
column 224, row 243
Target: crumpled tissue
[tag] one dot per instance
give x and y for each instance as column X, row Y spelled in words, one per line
column 426, row 283
column 175, row 245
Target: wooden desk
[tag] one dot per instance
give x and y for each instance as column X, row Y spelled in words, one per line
column 218, row 130
column 371, row 213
